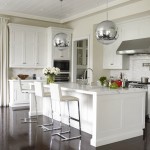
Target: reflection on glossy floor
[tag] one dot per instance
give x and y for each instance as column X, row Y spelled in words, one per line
column 17, row 136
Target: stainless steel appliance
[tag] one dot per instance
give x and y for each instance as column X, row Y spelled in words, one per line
column 63, row 65
column 137, row 84
column 136, row 46
column 62, row 77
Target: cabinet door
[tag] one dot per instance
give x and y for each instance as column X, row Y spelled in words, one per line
column 41, row 49
column 130, row 31
column 144, row 28
column 110, row 59
column 61, row 54
column 16, row 48
column 29, row 51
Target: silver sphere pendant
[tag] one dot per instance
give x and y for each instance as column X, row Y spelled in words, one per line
column 61, row 41
column 106, row 32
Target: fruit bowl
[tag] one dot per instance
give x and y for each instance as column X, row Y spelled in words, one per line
column 23, row 76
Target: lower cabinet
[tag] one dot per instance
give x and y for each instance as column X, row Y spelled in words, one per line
column 17, row 98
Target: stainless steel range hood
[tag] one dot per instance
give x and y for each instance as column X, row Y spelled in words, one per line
column 137, row 46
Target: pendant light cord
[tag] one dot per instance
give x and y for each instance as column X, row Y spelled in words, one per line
column 61, row 15
column 107, row 10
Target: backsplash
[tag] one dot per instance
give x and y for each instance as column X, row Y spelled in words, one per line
column 136, row 69
column 14, row 72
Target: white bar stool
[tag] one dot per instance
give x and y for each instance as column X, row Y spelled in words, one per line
column 29, row 91
column 56, row 95
column 39, row 92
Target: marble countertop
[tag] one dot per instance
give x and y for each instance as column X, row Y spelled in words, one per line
column 88, row 89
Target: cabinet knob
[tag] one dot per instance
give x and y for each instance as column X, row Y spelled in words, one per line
column 61, row 56
column 24, row 62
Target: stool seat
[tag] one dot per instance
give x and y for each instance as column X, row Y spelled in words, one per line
column 69, row 98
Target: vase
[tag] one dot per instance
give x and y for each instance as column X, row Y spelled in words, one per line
column 50, row 79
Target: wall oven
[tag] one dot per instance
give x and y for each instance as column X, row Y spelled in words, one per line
column 63, row 65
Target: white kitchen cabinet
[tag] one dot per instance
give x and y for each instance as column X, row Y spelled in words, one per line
column 17, row 98
column 136, row 29
column 130, row 30
column 28, row 46
column 111, row 60
column 53, row 52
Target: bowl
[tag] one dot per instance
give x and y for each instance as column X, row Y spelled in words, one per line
column 23, row 76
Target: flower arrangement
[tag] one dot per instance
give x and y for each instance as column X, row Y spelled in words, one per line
column 50, row 73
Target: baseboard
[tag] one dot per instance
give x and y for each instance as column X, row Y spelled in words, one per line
column 117, row 138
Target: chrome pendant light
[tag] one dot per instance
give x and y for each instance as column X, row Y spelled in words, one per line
column 61, row 40
column 106, row 31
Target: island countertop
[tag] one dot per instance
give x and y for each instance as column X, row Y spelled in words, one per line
column 90, row 89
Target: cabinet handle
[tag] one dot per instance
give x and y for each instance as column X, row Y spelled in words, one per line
column 37, row 63
column 111, row 64
column 61, row 56
column 24, row 62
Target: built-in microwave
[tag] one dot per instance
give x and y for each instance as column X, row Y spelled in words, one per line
column 63, row 65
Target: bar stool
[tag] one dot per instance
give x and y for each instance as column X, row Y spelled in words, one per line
column 39, row 92
column 56, row 95
column 29, row 91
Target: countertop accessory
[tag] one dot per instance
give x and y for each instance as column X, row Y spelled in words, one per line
column 144, row 79
column 22, row 76
column 106, row 31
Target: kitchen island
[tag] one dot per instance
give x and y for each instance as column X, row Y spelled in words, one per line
column 109, row 115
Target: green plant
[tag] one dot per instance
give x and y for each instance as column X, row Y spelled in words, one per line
column 102, row 80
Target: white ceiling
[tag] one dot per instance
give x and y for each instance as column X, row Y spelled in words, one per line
column 55, row 10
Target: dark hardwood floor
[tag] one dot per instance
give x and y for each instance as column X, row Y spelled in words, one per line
column 17, row 136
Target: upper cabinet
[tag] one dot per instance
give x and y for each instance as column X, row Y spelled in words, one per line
column 27, row 46
column 53, row 52
column 136, row 29
column 110, row 59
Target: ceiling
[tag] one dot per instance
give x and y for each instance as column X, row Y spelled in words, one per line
column 55, row 10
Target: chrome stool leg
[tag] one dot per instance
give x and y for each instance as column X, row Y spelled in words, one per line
column 65, row 132
column 29, row 120
column 44, row 126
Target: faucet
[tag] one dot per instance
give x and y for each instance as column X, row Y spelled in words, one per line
column 86, row 71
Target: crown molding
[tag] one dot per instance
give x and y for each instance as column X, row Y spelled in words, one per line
column 22, row 15
column 79, row 15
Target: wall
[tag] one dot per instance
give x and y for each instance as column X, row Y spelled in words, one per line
column 86, row 26
column 136, row 70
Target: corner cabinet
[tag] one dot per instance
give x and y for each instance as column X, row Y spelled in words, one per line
column 27, row 46
column 53, row 52
column 110, row 59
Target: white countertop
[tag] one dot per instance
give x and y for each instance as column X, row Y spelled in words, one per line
column 88, row 89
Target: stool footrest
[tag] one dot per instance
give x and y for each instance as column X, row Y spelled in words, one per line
column 72, row 138
column 28, row 120
column 42, row 125
column 74, row 119
column 65, row 138
column 45, row 129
